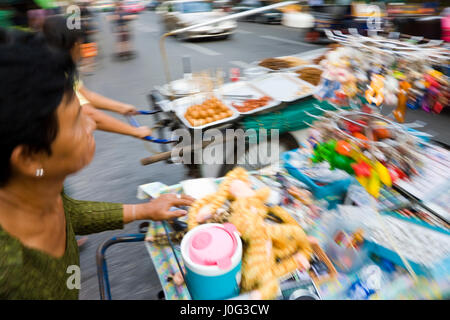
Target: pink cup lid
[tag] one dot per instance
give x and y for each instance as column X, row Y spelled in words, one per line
column 213, row 246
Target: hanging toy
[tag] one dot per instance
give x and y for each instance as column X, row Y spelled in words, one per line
column 380, row 130
column 374, row 94
column 391, row 87
column 374, row 185
column 399, row 113
column 383, row 174
column 343, row 147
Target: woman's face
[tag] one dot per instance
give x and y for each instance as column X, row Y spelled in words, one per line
column 74, row 145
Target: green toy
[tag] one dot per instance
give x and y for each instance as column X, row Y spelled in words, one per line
column 326, row 151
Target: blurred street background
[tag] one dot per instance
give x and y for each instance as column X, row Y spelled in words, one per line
column 116, row 171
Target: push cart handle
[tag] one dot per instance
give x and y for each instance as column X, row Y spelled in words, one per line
column 149, row 112
column 188, row 149
column 156, row 158
column 102, row 269
column 135, row 123
column 167, row 154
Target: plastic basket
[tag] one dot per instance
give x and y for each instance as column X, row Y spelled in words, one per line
column 290, row 118
column 334, row 193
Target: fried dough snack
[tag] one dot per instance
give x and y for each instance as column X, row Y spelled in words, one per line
column 271, row 250
column 205, row 208
column 209, row 111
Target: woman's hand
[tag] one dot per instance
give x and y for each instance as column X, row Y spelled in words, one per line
column 142, row 132
column 127, row 109
column 158, row 209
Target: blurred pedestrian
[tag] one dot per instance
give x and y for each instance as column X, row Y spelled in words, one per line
column 59, row 35
column 44, row 137
column 121, row 19
column 88, row 45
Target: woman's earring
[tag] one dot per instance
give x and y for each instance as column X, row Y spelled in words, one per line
column 39, row 172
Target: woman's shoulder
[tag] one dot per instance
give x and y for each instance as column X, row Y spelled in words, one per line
column 11, row 260
column 10, row 250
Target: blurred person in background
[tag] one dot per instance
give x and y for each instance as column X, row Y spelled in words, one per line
column 121, row 19
column 44, row 137
column 88, row 44
column 59, row 35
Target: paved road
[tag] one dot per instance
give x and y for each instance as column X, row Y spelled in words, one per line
column 115, row 171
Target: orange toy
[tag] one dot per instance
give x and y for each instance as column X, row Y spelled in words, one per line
column 399, row 112
column 374, row 94
column 343, row 147
column 360, row 136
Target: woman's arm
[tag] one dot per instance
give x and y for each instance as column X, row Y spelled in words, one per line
column 93, row 217
column 101, row 102
column 108, row 123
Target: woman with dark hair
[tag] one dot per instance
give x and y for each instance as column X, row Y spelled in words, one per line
column 60, row 36
column 44, row 137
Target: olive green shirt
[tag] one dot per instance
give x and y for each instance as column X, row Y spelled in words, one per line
column 27, row 273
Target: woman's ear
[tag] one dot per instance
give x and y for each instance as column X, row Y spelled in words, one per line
column 25, row 163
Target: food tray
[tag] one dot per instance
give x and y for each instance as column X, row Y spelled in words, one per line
column 256, row 63
column 316, row 66
column 244, row 88
column 179, row 106
column 282, row 86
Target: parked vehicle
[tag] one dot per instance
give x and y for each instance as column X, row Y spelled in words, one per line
column 133, row 7
column 185, row 13
column 273, row 16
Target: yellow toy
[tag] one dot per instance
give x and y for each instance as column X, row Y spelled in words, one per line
column 274, row 244
column 374, row 94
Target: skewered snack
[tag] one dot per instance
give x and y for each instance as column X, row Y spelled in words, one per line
column 210, row 110
column 252, row 104
column 319, row 59
column 310, row 74
column 275, row 63
column 271, row 250
column 294, row 61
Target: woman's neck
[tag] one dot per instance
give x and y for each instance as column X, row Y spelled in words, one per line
column 32, row 196
column 32, row 211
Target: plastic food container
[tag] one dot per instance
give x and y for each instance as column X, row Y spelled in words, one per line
column 212, row 256
column 345, row 259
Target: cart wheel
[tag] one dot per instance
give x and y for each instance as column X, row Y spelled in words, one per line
column 286, row 142
column 161, row 295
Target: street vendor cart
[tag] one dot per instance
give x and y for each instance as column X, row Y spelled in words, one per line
column 331, row 196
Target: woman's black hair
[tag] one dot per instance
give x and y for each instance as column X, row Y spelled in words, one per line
column 58, row 33
column 35, row 79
